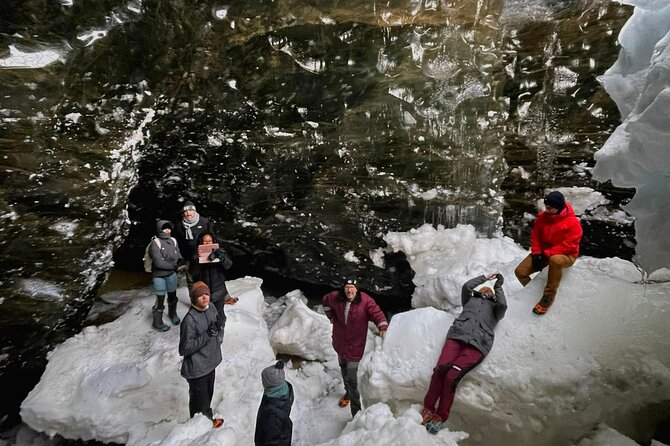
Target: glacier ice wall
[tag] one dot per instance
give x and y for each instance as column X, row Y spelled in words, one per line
column 638, row 152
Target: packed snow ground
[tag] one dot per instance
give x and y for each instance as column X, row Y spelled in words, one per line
column 599, row 359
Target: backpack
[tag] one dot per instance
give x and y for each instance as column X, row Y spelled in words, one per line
column 148, row 261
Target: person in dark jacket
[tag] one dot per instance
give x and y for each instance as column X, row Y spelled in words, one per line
column 350, row 310
column 201, row 349
column 554, row 241
column 213, row 274
column 165, row 258
column 189, row 228
column 469, row 340
column 273, row 423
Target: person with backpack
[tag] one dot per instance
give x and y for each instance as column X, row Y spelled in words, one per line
column 350, row 310
column 212, row 272
column 200, row 346
column 165, row 259
column 273, row 422
column 469, row 340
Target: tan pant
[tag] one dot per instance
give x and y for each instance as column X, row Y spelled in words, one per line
column 556, row 265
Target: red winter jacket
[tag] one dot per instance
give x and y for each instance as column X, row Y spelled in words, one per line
column 556, row 234
column 349, row 340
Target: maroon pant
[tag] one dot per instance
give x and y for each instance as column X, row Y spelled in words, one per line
column 457, row 359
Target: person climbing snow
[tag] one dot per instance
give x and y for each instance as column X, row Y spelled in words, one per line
column 350, row 310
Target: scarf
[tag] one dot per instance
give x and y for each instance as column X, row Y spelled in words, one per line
column 277, row 391
column 188, row 224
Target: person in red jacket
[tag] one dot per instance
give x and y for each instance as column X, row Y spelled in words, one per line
column 554, row 241
column 350, row 310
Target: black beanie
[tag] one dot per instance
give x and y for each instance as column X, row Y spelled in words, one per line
column 555, row 199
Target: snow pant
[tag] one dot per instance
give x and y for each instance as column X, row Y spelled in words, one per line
column 556, row 265
column 200, row 392
column 456, row 360
column 350, row 378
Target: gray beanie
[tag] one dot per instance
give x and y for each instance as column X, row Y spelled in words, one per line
column 273, row 376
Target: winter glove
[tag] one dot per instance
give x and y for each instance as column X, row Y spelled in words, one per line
column 213, row 329
column 215, row 255
column 499, row 279
column 539, row 262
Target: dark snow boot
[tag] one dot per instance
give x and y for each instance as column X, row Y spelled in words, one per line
column 158, row 321
column 158, row 314
column 172, row 308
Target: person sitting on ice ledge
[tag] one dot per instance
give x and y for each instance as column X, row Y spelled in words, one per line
column 349, row 310
column 200, row 346
column 554, row 241
column 469, row 340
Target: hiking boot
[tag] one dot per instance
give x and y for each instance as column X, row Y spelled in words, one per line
column 426, row 415
column 344, row 401
column 217, row 423
column 435, row 425
column 543, row 305
column 158, row 321
column 172, row 314
column 172, row 308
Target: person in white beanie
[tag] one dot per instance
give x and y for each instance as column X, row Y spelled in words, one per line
column 469, row 340
column 188, row 229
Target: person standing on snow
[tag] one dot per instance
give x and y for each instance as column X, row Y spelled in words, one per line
column 213, row 274
column 554, row 241
column 350, row 310
column 273, row 423
column 165, row 258
column 469, row 340
column 201, row 349
column 189, row 228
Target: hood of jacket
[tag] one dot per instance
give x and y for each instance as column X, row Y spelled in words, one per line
column 159, row 225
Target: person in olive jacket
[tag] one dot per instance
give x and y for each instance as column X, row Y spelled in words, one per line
column 469, row 340
column 273, row 422
column 350, row 310
column 201, row 349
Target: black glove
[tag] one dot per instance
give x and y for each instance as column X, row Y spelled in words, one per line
column 539, row 262
column 216, row 254
column 213, row 329
column 499, row 279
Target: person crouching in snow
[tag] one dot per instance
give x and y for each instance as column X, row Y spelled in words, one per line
column 350, row 310
column 201, row 349
column 273, row 423
column 469, row 340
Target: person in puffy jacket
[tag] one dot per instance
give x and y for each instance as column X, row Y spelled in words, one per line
column 554, row 241
column 201, row 349
column 273, row 422
column 165, row 258
column 469, row 340
column 350, row 310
